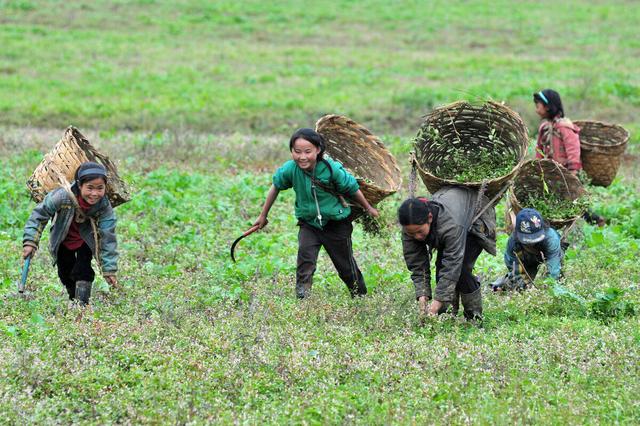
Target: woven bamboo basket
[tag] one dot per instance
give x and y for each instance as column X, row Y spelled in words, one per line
column 532, row 178
column 362, row 154
column 59, row 166
column 473, row 133
column 601, row 148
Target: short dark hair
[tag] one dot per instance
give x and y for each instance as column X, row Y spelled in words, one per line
column 415, row 211
column 310, row 135
column 97, row 171
column 551, row 99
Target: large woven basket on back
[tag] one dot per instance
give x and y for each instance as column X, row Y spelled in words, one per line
column 362, row 154
column 465, row 144
column 544, row 178
column 601, row 148
column 58, row 168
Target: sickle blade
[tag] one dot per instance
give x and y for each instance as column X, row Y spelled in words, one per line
column 233, row 246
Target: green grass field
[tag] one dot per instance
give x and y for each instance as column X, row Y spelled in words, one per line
column 195, row 101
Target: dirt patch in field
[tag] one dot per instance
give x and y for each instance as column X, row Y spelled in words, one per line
column 146, row 151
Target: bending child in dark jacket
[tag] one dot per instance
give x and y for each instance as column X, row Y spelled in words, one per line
column 319, row 185
column 80, row 214
column 445, row 223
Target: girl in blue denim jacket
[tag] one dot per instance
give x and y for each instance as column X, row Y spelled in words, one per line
column 83, row 228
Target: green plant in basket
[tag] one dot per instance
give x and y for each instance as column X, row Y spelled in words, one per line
column 552, row 206
column 475, row 166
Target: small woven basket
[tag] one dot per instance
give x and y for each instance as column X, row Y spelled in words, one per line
column 59, row 166
column 362, row 154
column 532, row 178
column 488, row 131
column 601, row 148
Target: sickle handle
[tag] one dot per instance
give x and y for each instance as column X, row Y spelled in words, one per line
column 251, row 230
column 25, row 272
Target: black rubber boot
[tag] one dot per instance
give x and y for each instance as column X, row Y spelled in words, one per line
column 83, row 292
column 303, row 290
column 71, row 291
column 472, row 305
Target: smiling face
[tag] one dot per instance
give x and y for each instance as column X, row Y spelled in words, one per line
column 93, row 190
column 419, row 232
column 542, row 110
column 305, row 154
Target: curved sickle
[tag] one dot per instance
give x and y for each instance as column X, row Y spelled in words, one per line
column 248, row 232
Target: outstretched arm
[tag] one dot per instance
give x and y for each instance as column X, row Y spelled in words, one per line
column 271, row 198
column 37, row 222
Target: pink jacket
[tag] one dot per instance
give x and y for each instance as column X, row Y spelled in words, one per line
column 559, row 140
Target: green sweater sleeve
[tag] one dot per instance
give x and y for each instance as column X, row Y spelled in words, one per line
column 283, row 177
column 344, row 181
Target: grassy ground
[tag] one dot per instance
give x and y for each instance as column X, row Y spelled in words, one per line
column 191, row 338
column 194, row 338
column 251, row 65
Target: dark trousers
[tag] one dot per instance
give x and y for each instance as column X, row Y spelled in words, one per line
column 530, row 261
column 74, row 265
column 593, row 218
column 467, row 283
column 336, row 240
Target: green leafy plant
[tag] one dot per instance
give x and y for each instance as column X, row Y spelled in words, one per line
column 611, row 304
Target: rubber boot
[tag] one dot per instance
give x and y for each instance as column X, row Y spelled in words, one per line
column 71, row 291
column 303, row 289
column 472, row 304
column 455, row 305
column 358, row 288
column 83, row 292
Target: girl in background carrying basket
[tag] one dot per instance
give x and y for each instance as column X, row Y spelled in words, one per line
column 559, row 138
column 320, row 185
column 79, row 216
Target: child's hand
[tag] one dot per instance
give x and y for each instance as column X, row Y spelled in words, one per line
column 423, row 305
column 372, row 211
column 28, row 251
column 112, row 280
column 434, row 307
column 261, row 222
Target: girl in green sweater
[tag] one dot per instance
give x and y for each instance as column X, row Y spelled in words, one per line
column 320, row 184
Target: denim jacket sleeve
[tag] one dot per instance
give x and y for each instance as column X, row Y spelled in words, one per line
column 106, row 223
column 39, row 218
column 553, row 253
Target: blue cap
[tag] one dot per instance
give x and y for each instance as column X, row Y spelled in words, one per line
column 529, row 226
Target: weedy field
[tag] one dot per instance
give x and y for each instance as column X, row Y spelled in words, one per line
column 195, row 101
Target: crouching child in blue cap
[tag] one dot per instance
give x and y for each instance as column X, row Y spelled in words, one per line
column 531, row 243
column 84, row 226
